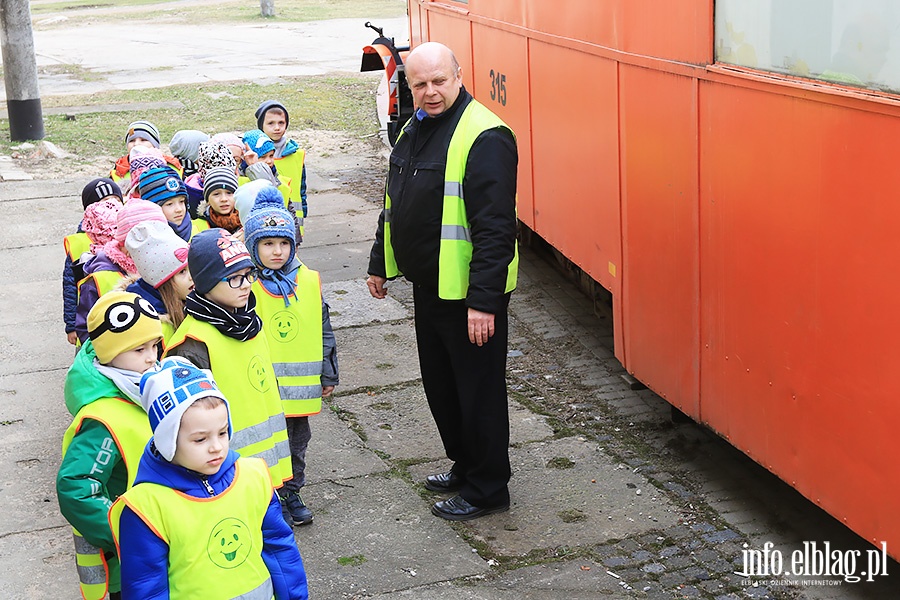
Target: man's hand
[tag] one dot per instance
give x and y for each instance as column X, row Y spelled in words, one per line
column 72, row 337
column 376, row 286
column 326, row 390
column 481, row 326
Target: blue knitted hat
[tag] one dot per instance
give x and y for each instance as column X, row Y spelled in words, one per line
column 269, row 218
column 168, row 392
column 161, row 184
column 258, row 142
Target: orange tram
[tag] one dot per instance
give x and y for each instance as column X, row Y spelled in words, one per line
column 728, row 171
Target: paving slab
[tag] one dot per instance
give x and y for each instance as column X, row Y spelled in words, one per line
column 27, row 223
column 37, row 346
column 398, row 423
column 335, row 452
column 69, row 189
column 355, row 224
column 373, row 535
column 343, row 205
column 337, row 262
column 351, row 305
column 376, row 355
column 21, row 418
column 37, row 565
column 28, row 489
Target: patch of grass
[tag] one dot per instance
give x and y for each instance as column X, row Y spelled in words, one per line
column 384, row 366
column 572, row 515
column 329, row 103
column 351, row 561
column 560, row 462
column 381, row 406
column 173, row 12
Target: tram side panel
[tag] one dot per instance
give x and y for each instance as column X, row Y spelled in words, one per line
column 798, row 270
column 660, row 241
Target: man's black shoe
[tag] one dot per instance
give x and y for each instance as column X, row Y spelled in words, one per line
column 458, row 509
column 444, row 482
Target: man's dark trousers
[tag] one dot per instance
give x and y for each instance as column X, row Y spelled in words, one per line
column 466, row 389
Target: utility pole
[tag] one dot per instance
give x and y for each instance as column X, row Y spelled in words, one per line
column 267, row 8
column 23, row 99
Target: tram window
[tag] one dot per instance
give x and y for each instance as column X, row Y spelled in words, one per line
column 851, row 42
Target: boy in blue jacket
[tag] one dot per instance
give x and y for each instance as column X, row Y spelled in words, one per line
column 200, row 522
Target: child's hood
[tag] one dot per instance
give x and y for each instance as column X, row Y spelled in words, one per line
column 84, row 383
column 289, row 148
column 155, row 469
column 99, row 262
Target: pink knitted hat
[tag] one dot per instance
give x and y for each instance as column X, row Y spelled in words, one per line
column 99, row 222
column 157, row 251
column 136, row 211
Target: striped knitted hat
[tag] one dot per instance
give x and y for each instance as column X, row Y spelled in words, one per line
column 161, row 184
column 144, row 130
column 98, row 189
column 219, row 178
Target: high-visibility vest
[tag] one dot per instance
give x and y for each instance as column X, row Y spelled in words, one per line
column 455, row 253
column 295, row 342
column 104, row 281
column 198, row 225
column 76, row 244
column 215, row 544
column 127, row 423
column 292, row 166
column 243, row 372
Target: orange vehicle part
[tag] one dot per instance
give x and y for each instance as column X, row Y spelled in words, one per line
column 745, row 223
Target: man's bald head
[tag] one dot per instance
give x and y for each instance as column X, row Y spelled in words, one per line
column 434, row 76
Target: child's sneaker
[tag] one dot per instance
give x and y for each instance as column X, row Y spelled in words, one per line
column 294, row 509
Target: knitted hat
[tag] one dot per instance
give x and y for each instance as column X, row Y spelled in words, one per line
column 260, row 113
column 157, row 252
column 136, row 211
column 168, row 392
column 99, row 222
column 140, row 159
column 161, row 184
column 98, row 189
column 186, row 143
column 229, row 139
column 119, row 322
column 268, row 218
column 245, row 197
column 213, row 154
column 258, row 142
column 214, row 255
column 219, row 178
column 144, row 130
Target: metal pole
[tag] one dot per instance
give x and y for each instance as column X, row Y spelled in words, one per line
column 23, row 99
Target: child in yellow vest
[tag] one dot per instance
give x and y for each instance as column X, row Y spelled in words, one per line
column 223, row 333
column 104, row 443
column 200, row 522
column 298, row 328
column 77, row 244
column 273, row 118
column 217, row 207
column 259, row 163
column 111, row 263
column 164, row 279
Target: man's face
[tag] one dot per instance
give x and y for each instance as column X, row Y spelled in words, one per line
column 434, row 82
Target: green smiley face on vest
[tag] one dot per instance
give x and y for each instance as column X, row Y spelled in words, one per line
column 283, row 326
column 258, row 374
column 229, row 543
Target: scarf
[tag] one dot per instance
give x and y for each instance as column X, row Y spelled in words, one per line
column 128, row 382
column 183, row 230
column 118, row 257
column 281, row 282
column 241, row 325
column 230, row 222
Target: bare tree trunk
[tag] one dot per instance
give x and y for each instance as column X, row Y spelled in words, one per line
column 267, row 8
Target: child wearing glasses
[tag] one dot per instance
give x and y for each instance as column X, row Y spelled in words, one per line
column 104, row 443
column 299, row 332
column 221, row 332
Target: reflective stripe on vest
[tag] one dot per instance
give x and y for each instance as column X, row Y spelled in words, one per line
column 294, row 334
column 243, row 372
column 128, row 425
column 76, row 245
column 215, row 544
column 455, row 253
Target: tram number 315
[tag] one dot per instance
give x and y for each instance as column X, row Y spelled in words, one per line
column 498, row 87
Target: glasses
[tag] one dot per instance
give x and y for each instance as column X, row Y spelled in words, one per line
column 236, row 281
